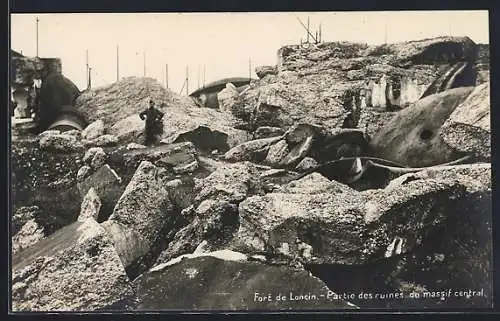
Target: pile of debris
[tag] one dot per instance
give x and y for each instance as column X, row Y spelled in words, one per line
column 277, row 200
column 118, row 106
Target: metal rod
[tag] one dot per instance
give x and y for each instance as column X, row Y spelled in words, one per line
column 308, row 32
column 398, row 170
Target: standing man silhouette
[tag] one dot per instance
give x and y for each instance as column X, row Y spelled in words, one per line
column 154, row 124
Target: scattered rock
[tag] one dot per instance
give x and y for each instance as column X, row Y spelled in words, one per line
column 102, row 141
column 90, row 153
column 135, row 146
column 272, row 172
column 263, row 71
column 60, row 142
column 101, row 180
column 93, row 130
column 298, row 152
column 211, row 138
column 83, row 173
column 22, row 215
column 227, row 97
column 210, row 164
column 232, row 183
column 298, row 133
column 74, row 269
column 214, row 223
column 108, row 187
column 344, row 226
column 188, row 168
column 247, row 150
column 98, row 160
column 277, row 153
column 29, row 234
column 210, row 283
column 169, row 156
column 91, row 206
column 119, row 106
column 306, row 164
column 267, row 132
column 139, row 215
column 468, row 128
column 50, row 132
column 75, row 133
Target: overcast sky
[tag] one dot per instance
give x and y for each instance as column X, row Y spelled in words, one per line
column 222, row 42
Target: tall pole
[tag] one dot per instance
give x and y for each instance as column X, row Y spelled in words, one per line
column 166, row 75
column 117, row 63
column 187, row 80
column 87, row 73
column 90, row 78
column 144, row 64
column 307, row 29
column 320, row 32
column 249, row 67
column 199, row 75
column 385, row 30
column 204, row 73
column 37, row 35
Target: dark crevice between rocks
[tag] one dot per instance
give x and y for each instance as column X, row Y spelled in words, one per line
column 205, row 139
column 444, row 52
column 466, row 78
column 352, row 104
column 165, row 236
column 221, row 230
column 456, row 254
column 57, row 208
column 370, row 278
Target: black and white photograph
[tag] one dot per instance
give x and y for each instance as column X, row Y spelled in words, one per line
column 250, row 161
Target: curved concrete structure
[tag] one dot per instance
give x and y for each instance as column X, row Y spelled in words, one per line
column 66, row 124
column 218, row 85
column 207, row 95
